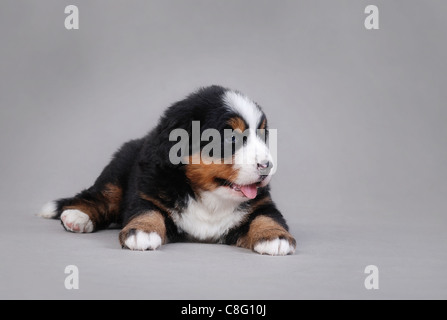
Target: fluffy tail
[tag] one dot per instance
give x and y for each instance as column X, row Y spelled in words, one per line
column 52, row 210
column 48, row 211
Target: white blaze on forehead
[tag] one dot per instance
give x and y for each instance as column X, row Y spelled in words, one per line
column 255, row 150
column 242, row 105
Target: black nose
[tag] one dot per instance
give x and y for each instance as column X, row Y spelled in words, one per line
column 265, row 166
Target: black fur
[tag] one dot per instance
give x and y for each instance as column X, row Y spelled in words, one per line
column 143, row 166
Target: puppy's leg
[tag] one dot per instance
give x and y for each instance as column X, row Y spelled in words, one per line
column 146, row 231
column 99, row 206
column 265, row 232
column 267, row 236
column 90, row 210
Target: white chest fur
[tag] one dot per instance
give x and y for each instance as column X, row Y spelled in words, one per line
column 209, row 218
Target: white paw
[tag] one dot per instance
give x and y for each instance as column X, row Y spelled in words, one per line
column 277, row 247
column 77, row 221
column 48, row 211
column 143, row 241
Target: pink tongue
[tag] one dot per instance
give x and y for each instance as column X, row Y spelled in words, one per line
column 249, row 191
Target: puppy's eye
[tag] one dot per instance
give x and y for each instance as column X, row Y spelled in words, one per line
column 231, row 139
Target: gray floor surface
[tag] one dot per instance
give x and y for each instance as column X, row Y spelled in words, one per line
column 362, row 141
column 329, row 264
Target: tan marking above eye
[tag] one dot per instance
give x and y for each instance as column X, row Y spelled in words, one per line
column 237, row 123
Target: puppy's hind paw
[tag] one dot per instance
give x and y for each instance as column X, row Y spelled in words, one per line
column 77, row 221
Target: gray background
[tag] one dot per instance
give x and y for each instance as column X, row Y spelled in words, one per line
column 361, row 118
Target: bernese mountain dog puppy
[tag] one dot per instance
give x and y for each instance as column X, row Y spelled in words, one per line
column 161, row 190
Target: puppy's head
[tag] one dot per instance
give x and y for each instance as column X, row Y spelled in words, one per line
column 228, row 151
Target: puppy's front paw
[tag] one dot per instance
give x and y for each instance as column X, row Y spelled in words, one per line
column 146, row 231
column 267, row 236
column 276, row 247
column 142, row 241
column 77, row 221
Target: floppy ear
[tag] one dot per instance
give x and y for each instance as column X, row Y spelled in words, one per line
column 159, row 142
column 263, row 124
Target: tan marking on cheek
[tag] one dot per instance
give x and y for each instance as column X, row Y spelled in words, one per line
column 264, row 228
column 203, row 176
column 263, row 124
column 151, row 221
column 237, row 123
